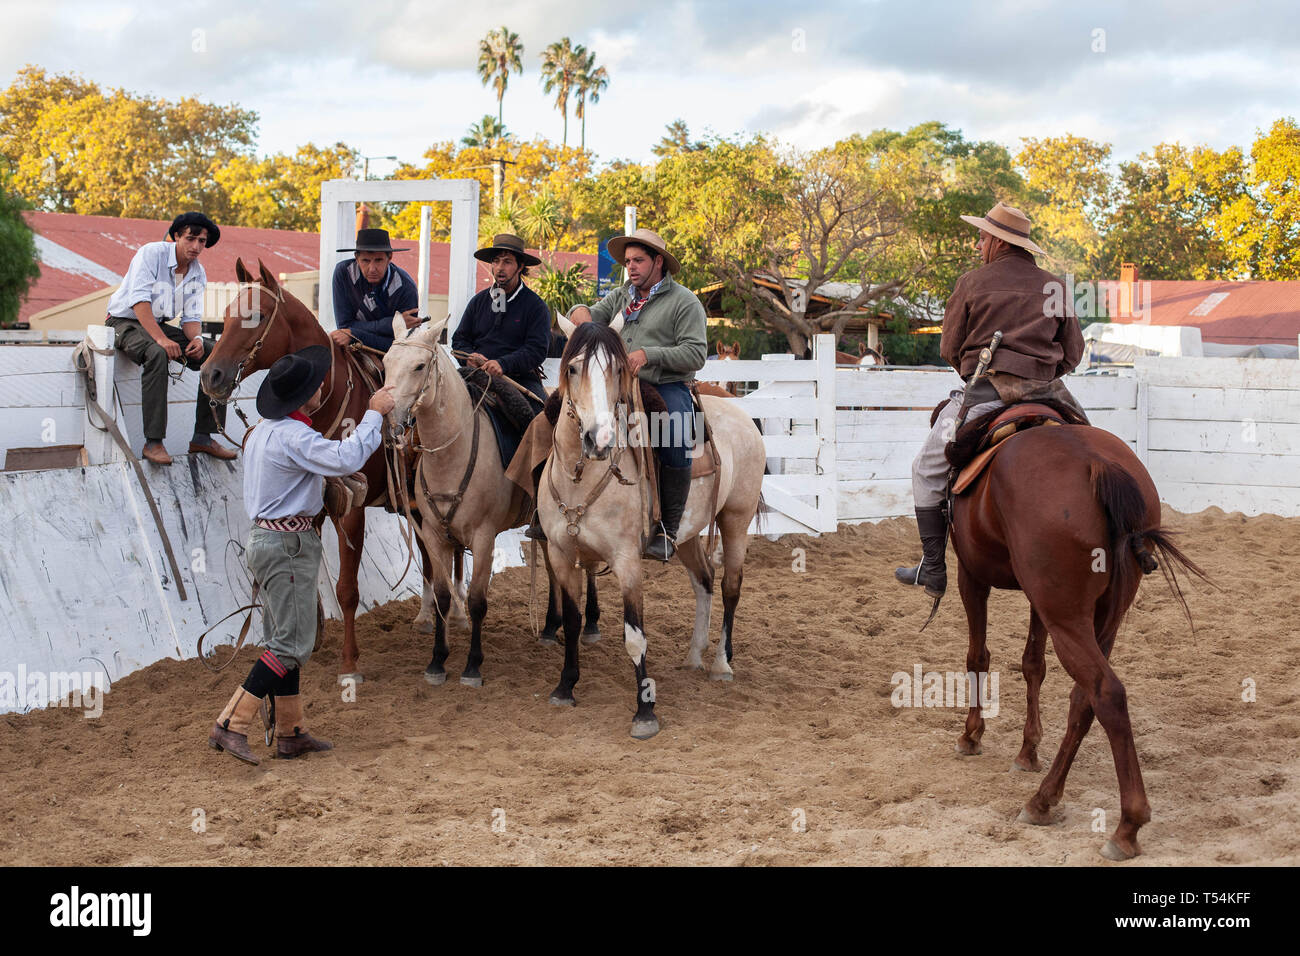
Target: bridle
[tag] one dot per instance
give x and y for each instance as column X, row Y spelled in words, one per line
column 252, row 354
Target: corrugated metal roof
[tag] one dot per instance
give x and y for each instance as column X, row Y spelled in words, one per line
column 80, row 254
column 1237, row 313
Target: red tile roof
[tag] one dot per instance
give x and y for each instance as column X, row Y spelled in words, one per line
column 1236, row 313
column 110, row 243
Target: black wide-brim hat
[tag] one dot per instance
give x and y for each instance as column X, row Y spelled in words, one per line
column 373, row 240
column 198, row 221
column 505, row 242
column 292, row 380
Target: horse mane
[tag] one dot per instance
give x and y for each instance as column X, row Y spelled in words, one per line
column 589, row 339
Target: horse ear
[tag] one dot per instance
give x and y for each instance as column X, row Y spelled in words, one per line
column 617, row 324
column 268, row 277
column 566, row 326
column 435, row 328
column 862, row 349
column 399, row 326
column 241, row 271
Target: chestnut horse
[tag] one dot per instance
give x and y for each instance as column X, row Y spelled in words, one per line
column 1068, row 515
column 265, row 323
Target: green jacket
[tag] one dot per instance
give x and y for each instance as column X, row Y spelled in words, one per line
column 670, row 328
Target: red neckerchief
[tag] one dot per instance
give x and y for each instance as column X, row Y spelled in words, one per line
column 300, row 417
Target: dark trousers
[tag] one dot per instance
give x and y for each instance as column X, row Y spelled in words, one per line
column 136, row 344
column 675, row 437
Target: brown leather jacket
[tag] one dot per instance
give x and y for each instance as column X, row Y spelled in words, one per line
column 1012, row 294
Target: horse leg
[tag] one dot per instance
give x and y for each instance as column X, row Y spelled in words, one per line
column 570, row 583
column 975, row 598
column 701, row 574
column 645, row 724
column 477, row 601
column 351, row 531
column 734, row 526
column 591, row 619
column 458, row 582
column 551, row 629
column 1034, row 667
column 423, row 622
column 435, row 673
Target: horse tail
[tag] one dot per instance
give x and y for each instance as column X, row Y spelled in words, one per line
column 1121, row 498
column 758, row 514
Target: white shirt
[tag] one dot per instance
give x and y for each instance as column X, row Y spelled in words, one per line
column 285, row 459
column 152, row 278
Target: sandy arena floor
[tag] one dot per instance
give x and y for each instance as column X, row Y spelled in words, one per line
column 806, row 732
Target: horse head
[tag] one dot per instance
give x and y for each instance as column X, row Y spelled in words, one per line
column 728, row 353
column 410, row 367
column 595, row 378
column 258, row 327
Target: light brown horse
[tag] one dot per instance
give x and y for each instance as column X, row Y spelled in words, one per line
column 591, row 504
column 265, row 323
column 1070, row 516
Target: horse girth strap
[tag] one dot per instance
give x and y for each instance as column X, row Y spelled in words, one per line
column 446, row 519
column 83, row 365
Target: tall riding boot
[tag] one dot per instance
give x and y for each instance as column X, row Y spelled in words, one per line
column 674, row 487
column 534, row 530
column 932, row 572
column 291, row 740
column 230, row 732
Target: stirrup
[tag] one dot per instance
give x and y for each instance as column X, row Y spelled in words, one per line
column 660, row 553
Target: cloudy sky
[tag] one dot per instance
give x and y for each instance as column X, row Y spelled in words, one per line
column 392, row 76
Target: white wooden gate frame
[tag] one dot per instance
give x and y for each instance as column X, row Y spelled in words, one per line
column 338, row 210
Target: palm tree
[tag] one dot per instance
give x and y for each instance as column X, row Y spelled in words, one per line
column 485, row 132
column 676, row 139
column 562, row 62
column 499, row 53
column 592, row 80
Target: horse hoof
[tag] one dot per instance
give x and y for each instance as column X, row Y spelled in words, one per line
column 590, row 637
column 645, row 729
column 471, row 681
column 720, row 675
column 559, row 701
column 423, row 625
column 1114, row 853
column 1034, row 818
column 435, row 677
column 354, row 676
column 548, row 640
column 1026, row 767
column 968, row 749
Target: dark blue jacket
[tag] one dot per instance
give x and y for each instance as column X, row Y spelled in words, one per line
column 367, row 310
column 518, row 337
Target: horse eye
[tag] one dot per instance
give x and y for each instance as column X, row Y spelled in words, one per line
column 420, row 366
column 573, row 370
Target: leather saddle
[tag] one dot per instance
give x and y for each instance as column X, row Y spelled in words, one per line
column 979, row 441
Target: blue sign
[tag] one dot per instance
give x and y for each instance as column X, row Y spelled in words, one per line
column 605, row 266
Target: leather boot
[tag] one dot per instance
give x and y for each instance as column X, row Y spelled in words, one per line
column 290, row 738
column 535, row 530
column 230, row 732
column 674, row 487
column 932, row 572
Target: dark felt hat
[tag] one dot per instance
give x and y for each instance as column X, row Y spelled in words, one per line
column 292, row 380
column 198, row 221
column 505, row 242
column 373, row 240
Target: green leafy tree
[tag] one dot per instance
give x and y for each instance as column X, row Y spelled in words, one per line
column 1070, row 198
column 19, row 266
column 676, row 139
column 562, row 289
column 499, row 53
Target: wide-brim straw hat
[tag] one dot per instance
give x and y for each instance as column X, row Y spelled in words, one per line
column 648, row 239
column 1007, row 223
column 505, row 242
column 292, row 380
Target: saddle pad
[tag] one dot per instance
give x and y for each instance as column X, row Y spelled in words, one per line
column 508, row 437
column 977, row 464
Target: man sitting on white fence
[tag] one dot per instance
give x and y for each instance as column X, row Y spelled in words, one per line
column 1010, row 294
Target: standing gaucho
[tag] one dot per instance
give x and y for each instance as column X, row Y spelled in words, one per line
column 506, row 328
column 165, row 281
column 369, row 289
column 664, row 329
column 1010, row 294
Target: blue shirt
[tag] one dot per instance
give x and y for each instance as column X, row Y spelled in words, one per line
column 285, row 459
column 152, row 278
column 367, row 310
column 515, row 329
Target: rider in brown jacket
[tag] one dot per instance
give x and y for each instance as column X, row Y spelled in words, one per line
column 1041, row 341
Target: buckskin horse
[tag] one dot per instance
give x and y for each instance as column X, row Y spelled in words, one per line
column 262, row 324
column 1068, row 515
column 591, row 518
